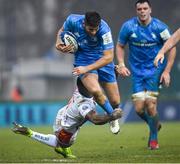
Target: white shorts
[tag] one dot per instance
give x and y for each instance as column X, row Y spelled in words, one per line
column 145, row 95
column 66, row 137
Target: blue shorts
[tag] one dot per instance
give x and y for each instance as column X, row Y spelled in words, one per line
column 147, row 82
column 105, row 74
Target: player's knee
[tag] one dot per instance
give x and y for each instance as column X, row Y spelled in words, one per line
column 97, row 93
column 115, row 103
column 139, row 109
column 139, row 99
column 151, row 99
column 151, row 105
column 94, row 90
column 152, row 112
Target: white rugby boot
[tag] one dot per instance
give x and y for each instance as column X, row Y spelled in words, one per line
column 114, row 126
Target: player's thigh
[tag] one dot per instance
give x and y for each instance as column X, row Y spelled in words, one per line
column 152, row 82
column 138, row 99
column 112, row 92
column 107, row 74
column 152, row 92
column 137, row 84
column 139, row 105
column 108, row 81
column 66, row 138
column 151, row 106
column 90, row 81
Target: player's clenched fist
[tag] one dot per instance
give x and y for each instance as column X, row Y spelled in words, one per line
column 117, row 113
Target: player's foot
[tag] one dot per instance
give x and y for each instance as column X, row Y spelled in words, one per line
column 19, row 129
column 114, row 126
column 154, row 145
column 65, row 152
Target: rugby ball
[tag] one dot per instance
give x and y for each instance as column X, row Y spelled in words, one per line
column 69, row 39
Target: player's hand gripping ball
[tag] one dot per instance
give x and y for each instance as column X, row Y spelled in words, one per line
column 69, row 39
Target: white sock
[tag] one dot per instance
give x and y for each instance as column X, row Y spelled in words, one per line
column 47, row 139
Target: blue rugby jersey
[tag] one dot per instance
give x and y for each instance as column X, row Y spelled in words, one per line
column 144, row 43
column 90, row 47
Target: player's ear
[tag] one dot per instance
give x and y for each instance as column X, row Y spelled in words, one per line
column 150, row 10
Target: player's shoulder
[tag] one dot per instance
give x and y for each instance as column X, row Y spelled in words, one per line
column 75, row 17
column 85, row 107
column 130, row 23
column 160, row 25
column 87, row 103
column 160, row 28
column 132, row 20
column 104, row 25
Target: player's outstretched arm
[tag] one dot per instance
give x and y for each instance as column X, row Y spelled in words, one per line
column 171, row 42
column 104, row 60
column 107, row 57
column 165, row 77
column 102, row 119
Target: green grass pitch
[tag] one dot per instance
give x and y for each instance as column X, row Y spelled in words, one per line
column 95, row 144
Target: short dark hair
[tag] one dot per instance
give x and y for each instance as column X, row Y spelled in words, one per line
column 82, row 89
column 143, row 1
column 92, row 18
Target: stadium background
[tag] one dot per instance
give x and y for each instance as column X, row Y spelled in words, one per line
column 28, row 58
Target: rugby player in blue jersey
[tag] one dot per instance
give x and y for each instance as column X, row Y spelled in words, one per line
column 93, row 62
column 145, row 36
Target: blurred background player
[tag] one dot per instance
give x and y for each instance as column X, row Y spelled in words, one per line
column 170, row 43
column 17, row 93
column 69, row 119
column 93, row 62
column 145, row 36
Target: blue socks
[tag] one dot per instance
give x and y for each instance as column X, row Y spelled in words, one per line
column 152, row 122
column 107, row 107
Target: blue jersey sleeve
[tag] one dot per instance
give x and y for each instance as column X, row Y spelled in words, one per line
column 124, row 33
column 105, row 32
column 68, row 24
column 163, row 30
